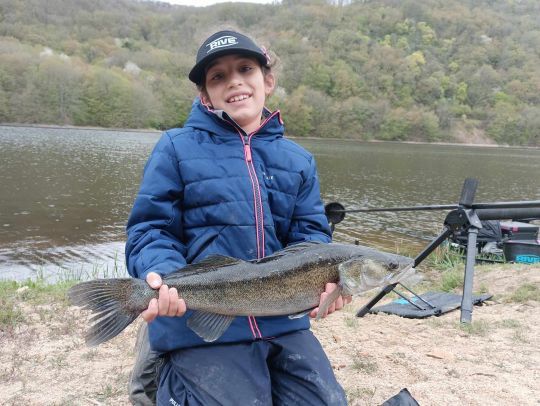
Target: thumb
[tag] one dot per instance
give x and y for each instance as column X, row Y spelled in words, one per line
column 154, row 280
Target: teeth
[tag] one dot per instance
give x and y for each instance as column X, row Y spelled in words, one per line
column 238, row 98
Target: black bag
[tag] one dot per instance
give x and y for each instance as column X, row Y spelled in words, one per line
column 403, row 398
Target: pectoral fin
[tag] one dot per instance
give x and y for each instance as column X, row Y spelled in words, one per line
column 331, row 298
column 300, row 315
column 209, row 326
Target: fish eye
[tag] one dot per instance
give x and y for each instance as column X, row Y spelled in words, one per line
column 393, row 265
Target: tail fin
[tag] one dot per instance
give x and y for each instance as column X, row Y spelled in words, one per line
column 108, row 299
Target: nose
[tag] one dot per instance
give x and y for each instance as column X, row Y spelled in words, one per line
column 235, row 80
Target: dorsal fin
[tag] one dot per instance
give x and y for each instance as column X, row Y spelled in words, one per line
column 291, row 249
column 210, row 263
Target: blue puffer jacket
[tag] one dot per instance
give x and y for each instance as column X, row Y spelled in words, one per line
column 209, row 188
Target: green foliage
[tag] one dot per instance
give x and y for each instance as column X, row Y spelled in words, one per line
column 451, row 279
column 10, row 315
column 412, row 124
column 446, row 258
column 388, row 70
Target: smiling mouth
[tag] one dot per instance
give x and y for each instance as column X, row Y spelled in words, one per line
column 236, row 99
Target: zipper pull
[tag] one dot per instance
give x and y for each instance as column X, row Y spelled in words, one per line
column 247, row 152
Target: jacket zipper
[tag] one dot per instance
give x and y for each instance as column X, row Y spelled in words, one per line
column 258, row 209
column 259, row 223
column 259, row 214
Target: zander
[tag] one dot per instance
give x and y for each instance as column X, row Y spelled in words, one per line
column 289, row 282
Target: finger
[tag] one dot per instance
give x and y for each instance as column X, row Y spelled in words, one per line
column 173, row 302
column 339, row 303
column 331, row 309
column 347, row 299
column 314, row 312
column 330, row 287
column 154, row 280
column 163, row 300
column 181, row 307
column 323, row 298
column 151, row 313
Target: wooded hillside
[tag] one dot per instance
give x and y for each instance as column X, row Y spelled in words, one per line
column 435, row 70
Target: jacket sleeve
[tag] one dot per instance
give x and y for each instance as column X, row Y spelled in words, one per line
column 154, row 228
column 309, row 223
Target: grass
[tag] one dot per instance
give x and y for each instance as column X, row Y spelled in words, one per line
column 41, row 291
column 364, row 364
column 108, row 391
column 360, row 393
column 10, row 315
column 444, row 258
column 478, row 328
column 451, row 279
column 520, row 336
column 351, row 321
column 510, row 323
column 526, row 292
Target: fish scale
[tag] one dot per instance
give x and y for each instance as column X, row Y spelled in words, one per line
column 288, row 282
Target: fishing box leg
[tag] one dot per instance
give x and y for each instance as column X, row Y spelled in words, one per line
column 365, row 309
column 466, row 300
column 419, row 258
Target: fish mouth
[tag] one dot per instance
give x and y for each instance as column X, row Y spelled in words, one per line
column 239, row 97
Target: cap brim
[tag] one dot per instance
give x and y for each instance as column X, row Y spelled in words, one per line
column 196, row 75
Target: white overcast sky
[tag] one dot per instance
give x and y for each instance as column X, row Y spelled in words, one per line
column 202, row 3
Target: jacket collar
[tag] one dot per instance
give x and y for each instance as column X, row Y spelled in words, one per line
column 219, row 123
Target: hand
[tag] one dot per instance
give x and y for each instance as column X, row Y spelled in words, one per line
column 338, row 304
column 167, row 304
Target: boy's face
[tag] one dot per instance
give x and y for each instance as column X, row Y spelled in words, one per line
column 236, row 84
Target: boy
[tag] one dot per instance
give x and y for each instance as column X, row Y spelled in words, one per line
column 228, row 183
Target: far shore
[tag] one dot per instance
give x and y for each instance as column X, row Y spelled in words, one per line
column 153, row 130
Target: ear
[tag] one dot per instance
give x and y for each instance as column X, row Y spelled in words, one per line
column 205, row 99
column 269, row 83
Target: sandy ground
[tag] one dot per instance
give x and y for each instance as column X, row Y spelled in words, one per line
column 493, row 361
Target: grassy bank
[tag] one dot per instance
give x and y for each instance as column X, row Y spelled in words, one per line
column 443, row 271
column 44, row 359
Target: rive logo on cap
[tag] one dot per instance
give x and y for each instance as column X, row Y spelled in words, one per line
column 222, row 42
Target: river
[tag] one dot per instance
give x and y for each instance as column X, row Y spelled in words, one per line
column 65, row 194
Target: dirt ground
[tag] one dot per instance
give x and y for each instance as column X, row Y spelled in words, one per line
column 493, row 361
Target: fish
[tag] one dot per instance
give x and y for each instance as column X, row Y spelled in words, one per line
column 219, row 288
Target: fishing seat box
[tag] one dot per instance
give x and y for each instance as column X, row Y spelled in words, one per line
column 522, row 251
column 516, row 230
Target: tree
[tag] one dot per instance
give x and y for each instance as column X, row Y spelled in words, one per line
column 298, row 114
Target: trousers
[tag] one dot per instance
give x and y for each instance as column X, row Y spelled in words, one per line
column 288, row 370
column 142, row 384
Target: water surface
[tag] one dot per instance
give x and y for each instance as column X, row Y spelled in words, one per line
column 66, row 193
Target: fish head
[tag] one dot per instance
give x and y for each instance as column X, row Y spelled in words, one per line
column 360, row 274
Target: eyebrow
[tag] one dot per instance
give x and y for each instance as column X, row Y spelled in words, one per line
column 236, row 57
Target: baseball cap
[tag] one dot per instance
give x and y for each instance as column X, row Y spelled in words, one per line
column 223, row 43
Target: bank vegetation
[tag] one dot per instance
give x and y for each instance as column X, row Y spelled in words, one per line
column 433, row 70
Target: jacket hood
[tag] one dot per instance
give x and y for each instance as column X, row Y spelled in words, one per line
column 219, row 123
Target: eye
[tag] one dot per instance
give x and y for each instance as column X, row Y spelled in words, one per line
column 216, row 76
column 393, row 265
column 246, row 68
